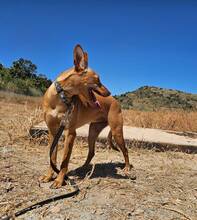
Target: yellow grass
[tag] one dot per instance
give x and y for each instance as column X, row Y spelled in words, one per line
column 168, row 120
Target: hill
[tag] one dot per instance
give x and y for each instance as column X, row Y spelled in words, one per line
column 150, row 98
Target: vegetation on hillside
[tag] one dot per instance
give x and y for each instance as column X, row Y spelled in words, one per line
column 22, row 78
column 154, row 98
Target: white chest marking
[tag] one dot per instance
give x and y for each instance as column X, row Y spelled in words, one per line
column 54, row 113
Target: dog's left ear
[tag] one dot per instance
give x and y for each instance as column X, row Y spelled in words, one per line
column 80, row 58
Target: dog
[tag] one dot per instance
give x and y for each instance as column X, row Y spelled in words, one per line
column 92, row 104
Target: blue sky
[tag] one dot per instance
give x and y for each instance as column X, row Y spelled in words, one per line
column 130, row 43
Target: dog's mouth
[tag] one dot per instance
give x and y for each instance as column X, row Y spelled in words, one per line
column 93, row 97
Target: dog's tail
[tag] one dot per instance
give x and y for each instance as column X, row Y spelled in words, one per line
column 110, row 142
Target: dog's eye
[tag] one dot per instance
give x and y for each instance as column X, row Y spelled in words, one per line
column 97, row 85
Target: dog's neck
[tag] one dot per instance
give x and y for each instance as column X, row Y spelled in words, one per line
column 65, row 97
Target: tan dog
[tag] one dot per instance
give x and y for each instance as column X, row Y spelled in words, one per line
column 92, row 104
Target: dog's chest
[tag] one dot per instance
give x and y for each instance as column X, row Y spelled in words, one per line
column 54, row 113
column 57, row 112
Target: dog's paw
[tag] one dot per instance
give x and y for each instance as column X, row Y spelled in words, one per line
column 45, row 179
column 56, row 184
column 130, row 172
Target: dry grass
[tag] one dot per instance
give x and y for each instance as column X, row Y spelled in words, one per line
column 20, row 126
column 18, row 114
column 167, row 120
column 10, row 97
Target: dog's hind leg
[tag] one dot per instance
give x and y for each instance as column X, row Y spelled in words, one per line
column 110, row 142
column 115, row 121
column 94, row 131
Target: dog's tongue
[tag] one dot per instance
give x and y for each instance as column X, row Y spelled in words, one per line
column 97, row 104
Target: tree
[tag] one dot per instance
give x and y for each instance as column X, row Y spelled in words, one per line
column 22, row 78
column 1, row 66
column 23, row 69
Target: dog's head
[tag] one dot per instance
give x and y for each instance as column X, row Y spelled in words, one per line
column 83, row 81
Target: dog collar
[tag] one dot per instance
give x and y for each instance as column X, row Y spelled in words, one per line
column 67, row 101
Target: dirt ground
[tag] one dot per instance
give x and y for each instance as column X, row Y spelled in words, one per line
column 165, row 188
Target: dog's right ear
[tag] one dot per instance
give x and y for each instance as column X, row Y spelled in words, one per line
column 80, row 58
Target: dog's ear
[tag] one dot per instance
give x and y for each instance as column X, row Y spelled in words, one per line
column 80, row 58
column 86, row 59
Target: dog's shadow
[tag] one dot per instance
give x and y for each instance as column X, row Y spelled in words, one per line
column 103, row 170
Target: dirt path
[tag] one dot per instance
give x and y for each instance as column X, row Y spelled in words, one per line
column 165, row 187
column 182, row 141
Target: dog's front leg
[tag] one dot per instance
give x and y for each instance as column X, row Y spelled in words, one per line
column 68, row 145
